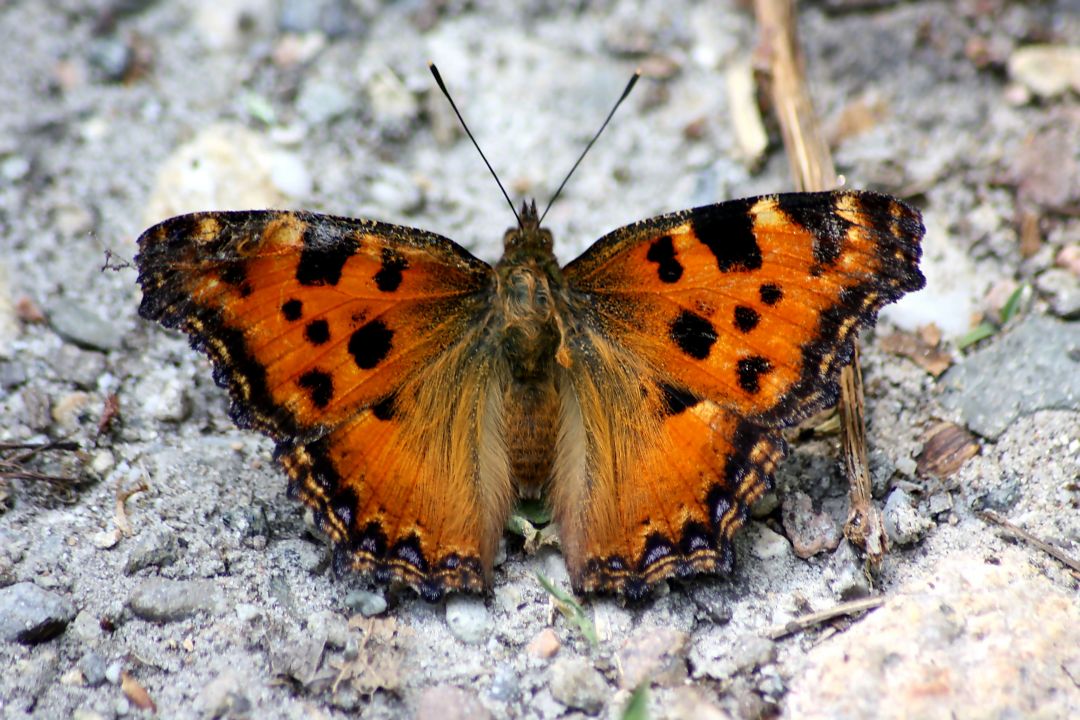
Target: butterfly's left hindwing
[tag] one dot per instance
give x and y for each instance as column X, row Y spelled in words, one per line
column 694, row 338
column 357, row 346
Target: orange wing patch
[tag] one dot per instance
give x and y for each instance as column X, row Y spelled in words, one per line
column 753, row 303
column 326, row 331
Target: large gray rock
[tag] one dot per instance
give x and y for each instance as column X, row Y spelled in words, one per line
column 1035, row 366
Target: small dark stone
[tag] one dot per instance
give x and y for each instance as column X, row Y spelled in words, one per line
column 30, row 614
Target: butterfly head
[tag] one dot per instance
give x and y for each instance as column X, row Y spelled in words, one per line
column 528, row 236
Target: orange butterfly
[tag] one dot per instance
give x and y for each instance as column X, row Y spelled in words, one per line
column 416, row 392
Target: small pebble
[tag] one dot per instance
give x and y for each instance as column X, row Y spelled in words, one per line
column 223, row 696
column 392, row 104
column 290, row 176
column 335, row 18
column 78, row 324
column 1046, row 70
column 504, row 685
column 113, row 672
column 903, row 523
column 106, row 539
column 576, row 684
column 1062, row 291
column 468, row 618
column 68, row 410
column 162, row 600
column 752, row 651
column 397, row 191
column 86, row 628
column 845, row 575
column 654, row 654
column 768, row 544
column 366, row 603
column 544, row 645
column 152, row 548
column 111, row 57
column 78, row 366
column 85, row 713
column 445, row 702
column 102, row 463
column 810, row 532
column 93, row 668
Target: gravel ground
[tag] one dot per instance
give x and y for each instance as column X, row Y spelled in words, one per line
column 167, row 569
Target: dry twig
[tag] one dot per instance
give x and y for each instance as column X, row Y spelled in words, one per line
column 120, row 512
column 812, row 167
column 1022, row 534
column 814, row 619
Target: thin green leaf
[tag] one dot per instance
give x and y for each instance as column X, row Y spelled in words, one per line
column 638, row 707
column 571, row 609
column 260, row 108
column 1012, row 305
column 983, row 331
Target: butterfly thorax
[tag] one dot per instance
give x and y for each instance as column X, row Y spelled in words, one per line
column 530, row 292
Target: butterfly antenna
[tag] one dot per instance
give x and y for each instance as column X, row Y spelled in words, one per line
column 442, row 86
column 629, row 87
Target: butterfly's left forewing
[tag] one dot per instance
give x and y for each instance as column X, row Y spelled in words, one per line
column 360, row 348
column 694, row 338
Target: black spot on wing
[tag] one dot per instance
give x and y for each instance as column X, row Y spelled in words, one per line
column 693, row 334
column 816, row 213
column 676, row 399
column 317, row 332
column 662, row 252
column 234, row 273
column 746, row 318
column 370, row 344
column 728, row 231
column 320, row 387
column 388, row 278
column 385, row 408
column 323, row 256
column 750, row 370
column 292, row 309
column 770, row 293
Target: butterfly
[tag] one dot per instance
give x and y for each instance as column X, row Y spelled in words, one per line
column 415, row 393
